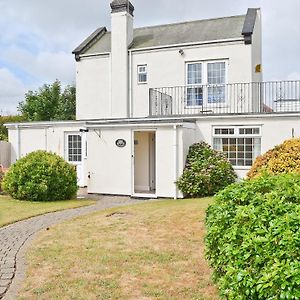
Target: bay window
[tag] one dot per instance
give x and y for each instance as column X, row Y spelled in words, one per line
column 241, row 144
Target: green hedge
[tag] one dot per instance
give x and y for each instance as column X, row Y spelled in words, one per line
column 206, row 172
column 253, row 238
column 41, row 176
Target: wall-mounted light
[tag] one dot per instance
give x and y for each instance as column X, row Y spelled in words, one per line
column 181, row 52
column 83, row 130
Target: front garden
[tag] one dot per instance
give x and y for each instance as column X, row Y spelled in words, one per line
column 156, row 250
column 37, row 184
column 12, row 210
column 152, row 250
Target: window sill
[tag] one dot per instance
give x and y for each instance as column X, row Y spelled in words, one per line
column 241, row 168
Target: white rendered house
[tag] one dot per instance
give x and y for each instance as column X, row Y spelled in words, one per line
column 145, row 95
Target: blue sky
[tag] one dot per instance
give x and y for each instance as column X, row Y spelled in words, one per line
column 37, row 37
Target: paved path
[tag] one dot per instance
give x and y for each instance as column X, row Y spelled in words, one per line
column 14, row 239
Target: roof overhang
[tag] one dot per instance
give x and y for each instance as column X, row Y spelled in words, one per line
column 89, row 42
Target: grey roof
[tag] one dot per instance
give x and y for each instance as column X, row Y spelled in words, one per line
column 174, row 34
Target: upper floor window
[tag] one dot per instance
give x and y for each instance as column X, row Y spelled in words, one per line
column 142, row 74
column 206, row 83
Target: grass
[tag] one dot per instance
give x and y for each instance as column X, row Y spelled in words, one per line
column 153, row 250
column 14, row 210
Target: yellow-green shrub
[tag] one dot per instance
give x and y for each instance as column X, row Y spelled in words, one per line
column 284, row 158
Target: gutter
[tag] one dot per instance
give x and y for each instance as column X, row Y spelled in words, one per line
column 18, row 142
column 143, row 125
column 170, row 46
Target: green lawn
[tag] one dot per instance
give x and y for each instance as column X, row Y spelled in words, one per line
column 152, row 250
column 14, row 210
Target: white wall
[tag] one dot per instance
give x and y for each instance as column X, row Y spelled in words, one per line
column 108, row 165
column 52, row 139
column 111, row 168
column 165, row 165
column 121, row 38
column 5, row 149
column 93, row 88
column 167, row 68
column 274, row 130
column 101, row 95
column 257, row 49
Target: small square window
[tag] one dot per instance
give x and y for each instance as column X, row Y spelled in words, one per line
column 142, row 74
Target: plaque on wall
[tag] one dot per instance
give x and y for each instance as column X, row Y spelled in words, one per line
column 121, row 143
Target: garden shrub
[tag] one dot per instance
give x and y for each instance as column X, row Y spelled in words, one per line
column 41, row 176
column 1, row 178
column 283, row 158
column 206, row 172
column 253, row 238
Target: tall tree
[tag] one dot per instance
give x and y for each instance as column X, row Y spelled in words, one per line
column 49, row 103
column 8, row 119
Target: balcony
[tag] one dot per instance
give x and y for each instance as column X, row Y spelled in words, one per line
column 234, row 98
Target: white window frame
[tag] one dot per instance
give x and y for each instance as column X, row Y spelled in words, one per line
column 142, row 73
column 236, row 135
column 205, row 83
column 82, row 154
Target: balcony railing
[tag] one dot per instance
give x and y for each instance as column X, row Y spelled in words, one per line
column 235, row 98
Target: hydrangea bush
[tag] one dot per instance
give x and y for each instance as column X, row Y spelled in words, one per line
column 206, row 172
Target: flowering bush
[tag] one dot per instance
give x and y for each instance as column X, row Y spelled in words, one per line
column 284, row 158
column 206, row 172
column 41, row 176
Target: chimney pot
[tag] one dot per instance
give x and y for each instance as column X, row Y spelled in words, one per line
column 122, row 5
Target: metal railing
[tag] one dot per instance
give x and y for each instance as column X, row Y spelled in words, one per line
column 234, row 98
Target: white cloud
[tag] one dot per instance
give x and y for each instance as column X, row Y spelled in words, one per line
column 11, row 91
column 294, row 76
column 44, row 66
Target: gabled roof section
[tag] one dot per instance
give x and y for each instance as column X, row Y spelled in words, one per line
column 89, row 41
column 201, row 31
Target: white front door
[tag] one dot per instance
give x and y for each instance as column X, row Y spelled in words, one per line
column 74, row 154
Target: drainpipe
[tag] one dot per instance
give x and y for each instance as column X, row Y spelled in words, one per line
column 175, row 159
column 46, row 139
column 130, row 85
column 18, row 142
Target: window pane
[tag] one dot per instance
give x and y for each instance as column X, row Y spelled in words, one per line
column 240, row 151
column 194, row 73
column 194, row 96
column 142, row 73
column 217, row 144
column 74, row 148
column 216, row 73
column 216, row 94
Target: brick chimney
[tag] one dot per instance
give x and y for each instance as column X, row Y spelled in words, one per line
column 121, row 39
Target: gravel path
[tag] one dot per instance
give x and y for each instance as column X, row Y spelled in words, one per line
column 15, row 238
